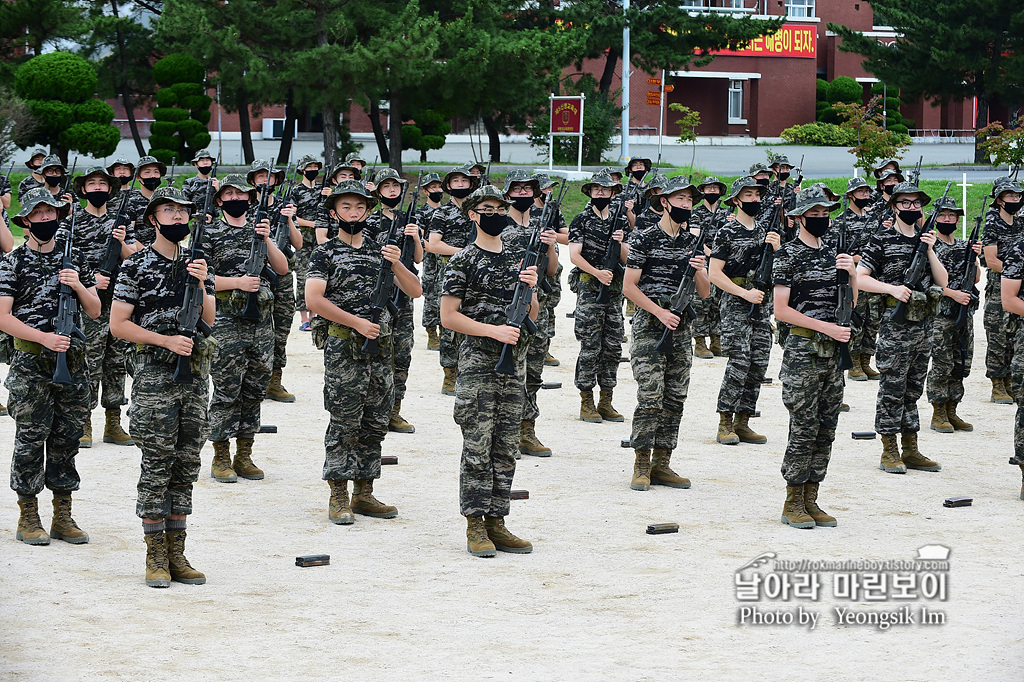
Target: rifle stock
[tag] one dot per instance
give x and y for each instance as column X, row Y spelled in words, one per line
column 681, row 303
column 380, row 298
column 256, row 263
column 915, row 273
column 112, row 254
column 963, row 313
column 762, row 278
column 67, row 310
column 844, row 293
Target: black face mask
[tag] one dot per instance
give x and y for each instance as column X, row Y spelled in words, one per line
column 435, row 196
column 909, row 217
column 751, row 208
column 638, row 175
column 53, row 180
column 235, row 208
column 174, row 232
column 43, row 231
column 817, row 226
column 712, row 199
column 522, row 204
column 601, row 203
column 862, row 203
column 1012, row 207
column 150, row 183
column 887, row 190
column 461, row 192
column 204, row 170
column 352, row 228
column 945, row 228
column 311, row 175
column 97, row 198
column 32, row 167
column 493, row 224
column 679, row 215
column 390, row 202
column 783, row 177
column 762, row 181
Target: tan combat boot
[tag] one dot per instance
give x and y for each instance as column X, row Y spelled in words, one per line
column 448, row 385
column 243, row 464
column 529, row 444
column 276, row 391
column 661, row 472
column 112, row 431
column 221, row 468
column 477, row 542
column 716, row 345
column 433, row 340
column 363, row 501
column 180, row 569
column 86, row 439
column 3, row 410
column 813, row 510
column 605, row 409
column 865, row 364
column 940, row 422
column 726, row 433
column 1022, row 481
column 157, row 571
column 641, row 471
column 745, row 433
column 1008, row 389
column 794, row 513
column 891, row 462
column 63, row 527
column 913, row 458
column 954, row 419
column 503, row 539
column 338, row 509
column 856, row 373
column 999, row 394
column 700, row 348
column 30, row 528
column 550, row 360
column 588, row 411
column 397, row 423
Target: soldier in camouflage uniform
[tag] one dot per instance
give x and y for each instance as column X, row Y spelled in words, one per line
column 307, row 198
column 194, row 188
column 478, row 285
column 1013, row 301
column 884, row 185
column 48, row 415
column 806, row 292
column 55, row 176
column 780, row 186
column 708, row 215
column 651, row 213
column 358, row 385
column 169, row 420
column 150, row 173
column 952, row 349
column 1004, row 227
column 123, row 170
column 903, row 346
column 432, row 192
column 554, row 297
column 324, row 226
column 657, row 258
column 245, row 347
column 735, row 253
column 35, row 177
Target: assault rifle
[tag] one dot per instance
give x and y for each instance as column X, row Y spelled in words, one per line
column 613, row 251
column 380, row 297
column 69, row 177
column 189, row 318
column 112, row 254
column 487, row 174
column 918, row 265
column 7, row 181
column 844, row 293
column 915, row 175
column 408, row 246
column 542, row 259
column 681, row 303
column 282, row 233
column 645, row 200
column 800, row 172
column 67, row 310
column 970, row 274
column 170, row 176
column 762, row 277
column 256, row 263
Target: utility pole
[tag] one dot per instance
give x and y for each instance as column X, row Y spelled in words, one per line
column 625, row 85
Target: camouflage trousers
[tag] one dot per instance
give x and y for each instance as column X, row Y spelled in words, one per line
column 1017, row 389
column 488, row 407
column 952, row 352
column 358, row 394
column 812, row 390
column 999, row 351
column 864, row 337
column 106, row 356
column 302, row 266
column 600, row 329
column 539, row 345
column 748, row 344
column 284, row 315
column 709, row 320
column 662, row 381
column 431, row 316
column 403, row 339
column 902, row 360
column 550, row 301
column 169, row 422
column 241, row 372
column 48, row 420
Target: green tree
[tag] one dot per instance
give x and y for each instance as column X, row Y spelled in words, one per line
column 179, row 130
column 874, row 142
column 35, row 25
column 600, row 112
column 427, row 132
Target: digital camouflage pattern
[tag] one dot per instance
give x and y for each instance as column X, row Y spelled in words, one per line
column 902, row 359
column 810, row 275
column 887, row 256
column 284, row 291
column 27, row 185
column 133, row 210
column 859, row 229
column 455, row 230
column 708, row 321
column 998, row 333
column 428, row 274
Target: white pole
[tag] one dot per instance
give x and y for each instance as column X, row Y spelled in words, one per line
column 661, row 111
column 579, row 152
column 625, row 86
column 220, row 132
column 964, row 206
column 551, row 137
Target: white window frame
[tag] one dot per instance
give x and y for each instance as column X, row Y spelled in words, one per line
column 800, row 9
column 736, row 92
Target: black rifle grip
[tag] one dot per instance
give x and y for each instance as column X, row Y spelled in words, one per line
column 505, row 363
column 183, row 372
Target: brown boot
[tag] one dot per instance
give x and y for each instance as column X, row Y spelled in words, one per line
column 700, row 348
column 999, row 394
column 180, row 569
column 63, row 527
column 3, row 410
column 856, row 373
column 338, row 509
column 157, row 572
column 745, row 433
column 1008, row 389
column 865, row 364
column 448, row 385
column 891, row 462
column 954, row 419
column 30, row 528
column 913, row 458
column 397, row 423
column 550, row 360
column 86, row 440
column 275, row 391
column 940, row 422
column 221, row 468
column 716, row 345
column 1021, row 482
column 112, row 431
column 243, row 464
column 813, row 510
column 503, row 539
column 363, row 501
column 661, row 472
column 794, row 513
column 605, row 409
column 433, row 340
column 726, row 434
column 529, row 444
column 588, row 411
column 641, row 471
column 477, row 542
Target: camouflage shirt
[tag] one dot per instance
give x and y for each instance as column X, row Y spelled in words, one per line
column 5, row 185
column 307, row 201
column 350, row 274
column 1013, row 265
column 1000, row 234
column 558, row 222
column 661, row 258
column 649, row 218
column 455, row 229
column 155, row 285
column 30, row 278
column 378, row 227
column 227, row 248
column 27, row 185
column 810, row 274
column 888, row 255
column 593, row 233
column 704, row 218
column 484, row 281
column 739, row 247
column 952, row 258
column 91, row 234
column 787, row 192
column 194, row 189
column 859, row 229
column 133, row 211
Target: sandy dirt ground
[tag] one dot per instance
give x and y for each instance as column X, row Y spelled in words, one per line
column 597, row 599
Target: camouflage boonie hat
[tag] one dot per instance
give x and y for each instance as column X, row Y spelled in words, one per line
column 812, row 197
column 167, row 195
column 544, row 180
column 264, row 165
column 712, row 180
column 343, row 166
column 113, row 182
column 521, row 176
column 122, row 161
column 946, row 204
column 387, row 174
column 152, row 161
column 740, row 184
column 38, row 151
column 758, row 168
column 908, row 188
column 680, row 183
column 429, row 178
column 353, row 157
column 603, row 178
column 827, row 190
column 238, row 181
column 855, row 184
column 51, row 161
column 478, row 197
column 615, row 174
column 781, row 160
column 478, row 166
column 889, row 174
column 1005, row 184
column 885, row 162
column 646, row 162
column 658, row 182
column 350, row 187
column 203, row 154
column 36, row 197
column 464, row 169
column 306, row 160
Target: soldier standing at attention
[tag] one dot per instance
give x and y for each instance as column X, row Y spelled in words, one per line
column 478, row 285
column 35, row 177
column 150, row 173
column 1013, row 302
column 651, row 215
column 358, row 384
column 708, row 215
column 547, row 185
column 169, row 420
column 194, row 188
column 860, row 225
column 324, row 227
column 903, row 347
column 430, row 188
column 55, row 176
column 1004, row 227
column 780, row 187
column 307, row 199
column 48, row 415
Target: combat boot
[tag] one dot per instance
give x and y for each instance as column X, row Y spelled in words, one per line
column 157, row 572
column 363, row 501
column 30, row 528
column 999, row 394
column 630, row 308
column 940, row 422
column 661, row 472
column 275, row 391
column 448, row 385
column 338, row 509
column 865, row 364
column 605, row 409
column 913, row 458
column 63, row 527
column 243, row 464
column 86, row 439
column 477, row 542
column 112, row 431
column 503, row 539
column 3, row 410
column 1008, row 389
column 1021, row 483
column 716, row 345
column 813, row 510
column 529, row 444
column 433, row 340
column 726, row 434
column 588, row 411
column 856, row 373
column 641, row 471
column 794, row 513
column 550, row 360
column 701, row 350
column 180, row 569
column 891, row 462
column 397, row 423
column 744, row 432
column 221, row 468
column 954, row 419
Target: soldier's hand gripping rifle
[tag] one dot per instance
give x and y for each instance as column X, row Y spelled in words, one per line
column 915, row 175
column 612, row 254
column 844, row 293
column 963, row 314
column 380, row 297
column 542, row 260
column 762, row 277
column 406, row 243
column 918, row 265
column 112, row 254
column 256, row 263
column 681, row 303
column 67, row 311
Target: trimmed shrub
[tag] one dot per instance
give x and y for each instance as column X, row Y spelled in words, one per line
column 845, row 89
column 820, row 134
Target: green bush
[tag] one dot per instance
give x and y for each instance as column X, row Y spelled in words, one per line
column 196, row 102
column 892, row 103
column 845, row 89
column 95, row 139
column 178, row 68
column 57, row 75
column 821, row 90
column 820, row 134
column 51, row 114
column 163, row 128
column 183, row 90
column 899, row 128
column 202, row 115
column 183, row 106
column 200, row 141
column 828, row 115
column 166, row 97
column 93, row 111
column 157, row 141
column 189, row 129
column 909, row 122
column 174, row 115
column 165, row 155
column 877, row 88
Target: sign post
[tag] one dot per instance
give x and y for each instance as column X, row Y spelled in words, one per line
column 566, row 121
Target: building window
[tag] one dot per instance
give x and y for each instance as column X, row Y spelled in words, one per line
column 736, row 4
column 693, row 3
column 736, row 102
column 800, row 8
